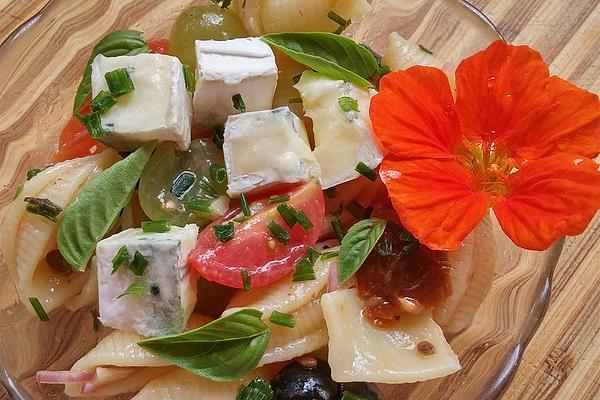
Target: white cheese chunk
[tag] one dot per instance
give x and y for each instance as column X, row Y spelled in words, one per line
column 370, row 354
column 170, row 295
column 159, row 108
column 342, row 139
column 266, row 147
column 226, row 68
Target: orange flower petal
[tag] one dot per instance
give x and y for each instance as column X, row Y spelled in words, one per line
column 569, row 123
column 413, row 114
column 549, row 198
column 434, row 199
column 500, row 91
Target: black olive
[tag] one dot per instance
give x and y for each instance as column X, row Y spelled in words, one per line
column 368, row 391
column 296, row 382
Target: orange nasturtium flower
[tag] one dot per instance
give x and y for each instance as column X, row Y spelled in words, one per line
column 515, row 139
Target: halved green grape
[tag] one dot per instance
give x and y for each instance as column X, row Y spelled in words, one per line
column 176, row 185
column 202, row 23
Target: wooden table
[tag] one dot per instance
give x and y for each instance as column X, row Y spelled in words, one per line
column 562, row 361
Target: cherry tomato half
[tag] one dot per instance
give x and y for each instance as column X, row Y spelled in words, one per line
column 75, row 141
column 159, row 46
column 254, row 247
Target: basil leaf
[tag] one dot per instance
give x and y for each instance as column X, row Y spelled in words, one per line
column 224, row 350
column 357, row 245
column 117, row 43
column 92, row 214
column 327, row 53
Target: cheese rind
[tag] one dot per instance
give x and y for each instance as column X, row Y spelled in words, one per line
column 159, row 109
column 266, row 147
column 225, row 68
column 342, row 139
column 170, row 295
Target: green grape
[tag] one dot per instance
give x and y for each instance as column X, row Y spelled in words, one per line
column 202, row 23
column 174, row 181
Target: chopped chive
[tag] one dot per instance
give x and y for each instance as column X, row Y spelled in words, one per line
column 183, row 183
column 257, row 389
column 338, row 212
column 92, row 123
column 136, row 288
column 218, row 173
column 343, row 23
column 386, row 247
column 222, row 3
column 348, row 104
column 188, row 77
column 304, row 270
column 218, row 136
column 198, row 204
column 119, row 259
column 19, row 190
column 384, row 70
column 282, row 319
column 304, row 221
column 366, row 171
column 42, row 207
column 351, row 396
column 138, row 264
column 288, row 214
column 279, row 232
column 208, row 190
column 224, row 232
column 328, row 255
column 95, row 320
column 330, row 192
column 159, row 226
column 278, row 199
column 296, row 78
column 238, row 103
column 33, row 172
column 246, row 279
column 240, row 218
column 336, row 224
column 409, row 248
column 356, row 209
column 119, row 82
column 295, row 100
column 312, row 254
column 102, row 102
column 425, row 49
column 39, row 310
column 245, row 209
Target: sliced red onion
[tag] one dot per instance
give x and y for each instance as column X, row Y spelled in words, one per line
column 88, row 388
column 334, row 279
column 61, row 377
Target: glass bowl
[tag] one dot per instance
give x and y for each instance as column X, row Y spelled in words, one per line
column 41, row 64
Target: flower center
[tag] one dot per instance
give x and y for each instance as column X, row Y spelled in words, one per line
column 490, row 166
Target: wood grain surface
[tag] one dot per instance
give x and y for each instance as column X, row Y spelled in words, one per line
column 561, row 361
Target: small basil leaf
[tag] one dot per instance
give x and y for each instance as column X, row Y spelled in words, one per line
column 224, row 350
column 357, row 245
column 117, row 43
column 327, row 53
column 92, row 214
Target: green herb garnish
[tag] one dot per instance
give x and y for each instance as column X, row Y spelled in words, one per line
column 119, row 82
column 357, row 245
column 138, row 264
column 346, row 395
column 336, row 224
column 218, row 136
column 33, row 172
column 282, row 319
column 304, row 270
column 245, row 209
column 366, row 171
column 348, row 104
column 224, row 232
column 257, row 389
column 158, row 226
column 43, row 207
column 288, row 214
column 103, row 102
column 188, row 77
column 39, row 310
column 425, row 49
column 136, row 288
column 183, row 183
column 343, row 23
column 95, row 320
column 222, row 3
column 279, row 199
column 246, row 279
column 198, row 204
column 119, row 259
column 218, row 173
column 385, row 248
column 279, row 232
column 303, row 220
column 238, row 103
column 92, row 123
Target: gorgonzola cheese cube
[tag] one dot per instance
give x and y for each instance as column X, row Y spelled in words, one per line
column 159, row 108
column 226, row 68
column 169, row 296
column 342, row 138
column 266, row 147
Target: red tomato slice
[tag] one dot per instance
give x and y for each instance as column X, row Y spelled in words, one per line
column 253, row 247
column 159, row 46
column 75, row 141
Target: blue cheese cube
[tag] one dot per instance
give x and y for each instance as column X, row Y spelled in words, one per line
column 160, row 107
column 225, row 68
column 266, row 147
column 165, row 304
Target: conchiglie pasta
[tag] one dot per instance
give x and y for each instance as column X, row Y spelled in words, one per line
column 32, row 237
column 271, row 16
column 473, row 268
column 309, row 334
